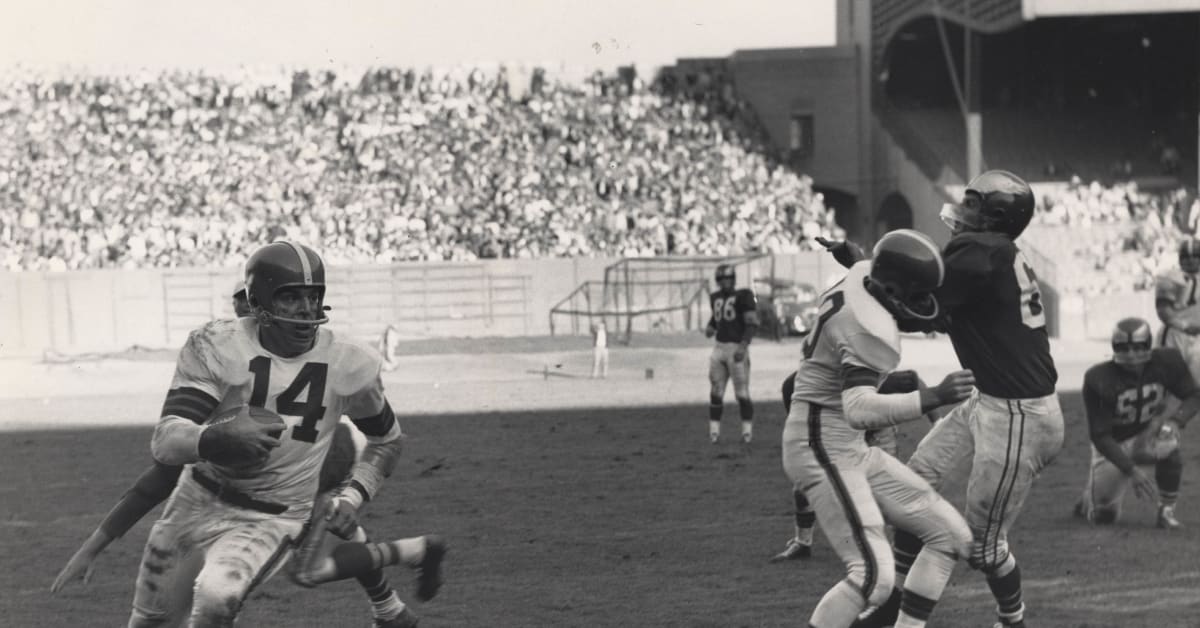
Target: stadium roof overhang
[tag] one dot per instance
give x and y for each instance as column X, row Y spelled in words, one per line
column 888, row 17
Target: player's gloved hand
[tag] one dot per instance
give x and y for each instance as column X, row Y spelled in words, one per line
column 1143, row 487
column 1192, row 329
column 710, row 331
column 81, row 564
column 343, row 517
column 739, row 354
column 239, row 443
column 956, row 387
column 845, row 252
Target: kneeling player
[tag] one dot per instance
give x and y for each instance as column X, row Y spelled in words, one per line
column 1125, row 400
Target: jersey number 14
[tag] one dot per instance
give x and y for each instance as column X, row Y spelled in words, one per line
column 311, row 376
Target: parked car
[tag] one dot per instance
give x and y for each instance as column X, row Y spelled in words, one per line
column 786, row 307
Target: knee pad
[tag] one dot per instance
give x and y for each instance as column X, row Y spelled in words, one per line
column 988, row 559
column 218, row 602
column 881, row 589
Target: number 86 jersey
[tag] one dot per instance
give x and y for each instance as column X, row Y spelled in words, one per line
column 225, row 361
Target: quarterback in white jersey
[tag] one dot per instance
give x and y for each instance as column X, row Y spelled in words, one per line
column 1177, row 301
column 248, row 488
column 854, row 487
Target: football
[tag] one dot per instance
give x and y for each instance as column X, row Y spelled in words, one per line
column 253, row 413
column 266, row 417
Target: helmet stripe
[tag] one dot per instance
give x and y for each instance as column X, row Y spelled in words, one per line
column 927, row 243
column 305, row 265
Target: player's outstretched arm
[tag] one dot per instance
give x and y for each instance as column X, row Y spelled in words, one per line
column 845, row 252
column 152, row 487
column 866, row 408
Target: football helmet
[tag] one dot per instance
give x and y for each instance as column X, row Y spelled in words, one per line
column 726, row 272
column 1189, row 256
column 905, row 270
column 1131, row 340
column 281, row 265
column 997, row 201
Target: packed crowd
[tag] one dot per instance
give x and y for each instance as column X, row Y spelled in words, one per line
column 1113, row 238
column 184, row 169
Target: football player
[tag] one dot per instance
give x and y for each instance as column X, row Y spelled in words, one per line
column 1175, row 301
column 734, row 321
column 853, row 487
column 800, row 545
column 1012, row 426
column 247, row 492
column 1126, row 402
column 155, row 484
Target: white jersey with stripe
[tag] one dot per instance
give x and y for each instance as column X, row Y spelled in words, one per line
column 1181, row 290
column 225, row 360
column 853, row 331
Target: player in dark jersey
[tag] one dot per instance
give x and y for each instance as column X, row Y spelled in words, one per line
column 1012, row 427
column 1126, row 401
column 734, row 321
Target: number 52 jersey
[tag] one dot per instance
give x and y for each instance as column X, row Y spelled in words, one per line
column 310, row 392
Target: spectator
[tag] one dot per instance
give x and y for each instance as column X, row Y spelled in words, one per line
column 185, row 169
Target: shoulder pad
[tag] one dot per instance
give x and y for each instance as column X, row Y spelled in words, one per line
column 355, row 364
column 867, row 314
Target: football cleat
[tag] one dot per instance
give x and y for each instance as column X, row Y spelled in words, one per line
column 429, row 571
column 406, row 619
column 1020, row 623
column 714, row 438
column 307, row 552
column 746, row 438
column 1166, row 518
column 795, row 550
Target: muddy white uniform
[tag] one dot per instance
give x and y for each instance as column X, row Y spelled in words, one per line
column 225, row 529
column 1180, row 289
column 853, row 487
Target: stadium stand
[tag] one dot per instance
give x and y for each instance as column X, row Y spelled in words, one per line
column 184, row 169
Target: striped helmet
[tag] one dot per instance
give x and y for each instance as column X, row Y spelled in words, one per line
column 1131, row 342
column 1189, row 256
column 281, row 265
column 905, row 271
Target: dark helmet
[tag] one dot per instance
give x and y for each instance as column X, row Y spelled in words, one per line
column 726, row 271
column 280, row 265
column 1131, row 342
column 906, row 269
column 1189, row 256
column 997, row 201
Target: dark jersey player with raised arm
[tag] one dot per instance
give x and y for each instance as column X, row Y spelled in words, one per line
column 1012, row 427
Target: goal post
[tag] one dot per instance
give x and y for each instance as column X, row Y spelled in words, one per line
column 652, row 294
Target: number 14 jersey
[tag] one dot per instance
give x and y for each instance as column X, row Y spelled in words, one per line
column 311, row 391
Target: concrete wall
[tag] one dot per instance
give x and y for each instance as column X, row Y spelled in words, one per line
column 820, row 81
column 112, row 310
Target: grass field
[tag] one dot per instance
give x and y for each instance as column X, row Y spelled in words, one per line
column 607, row 517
